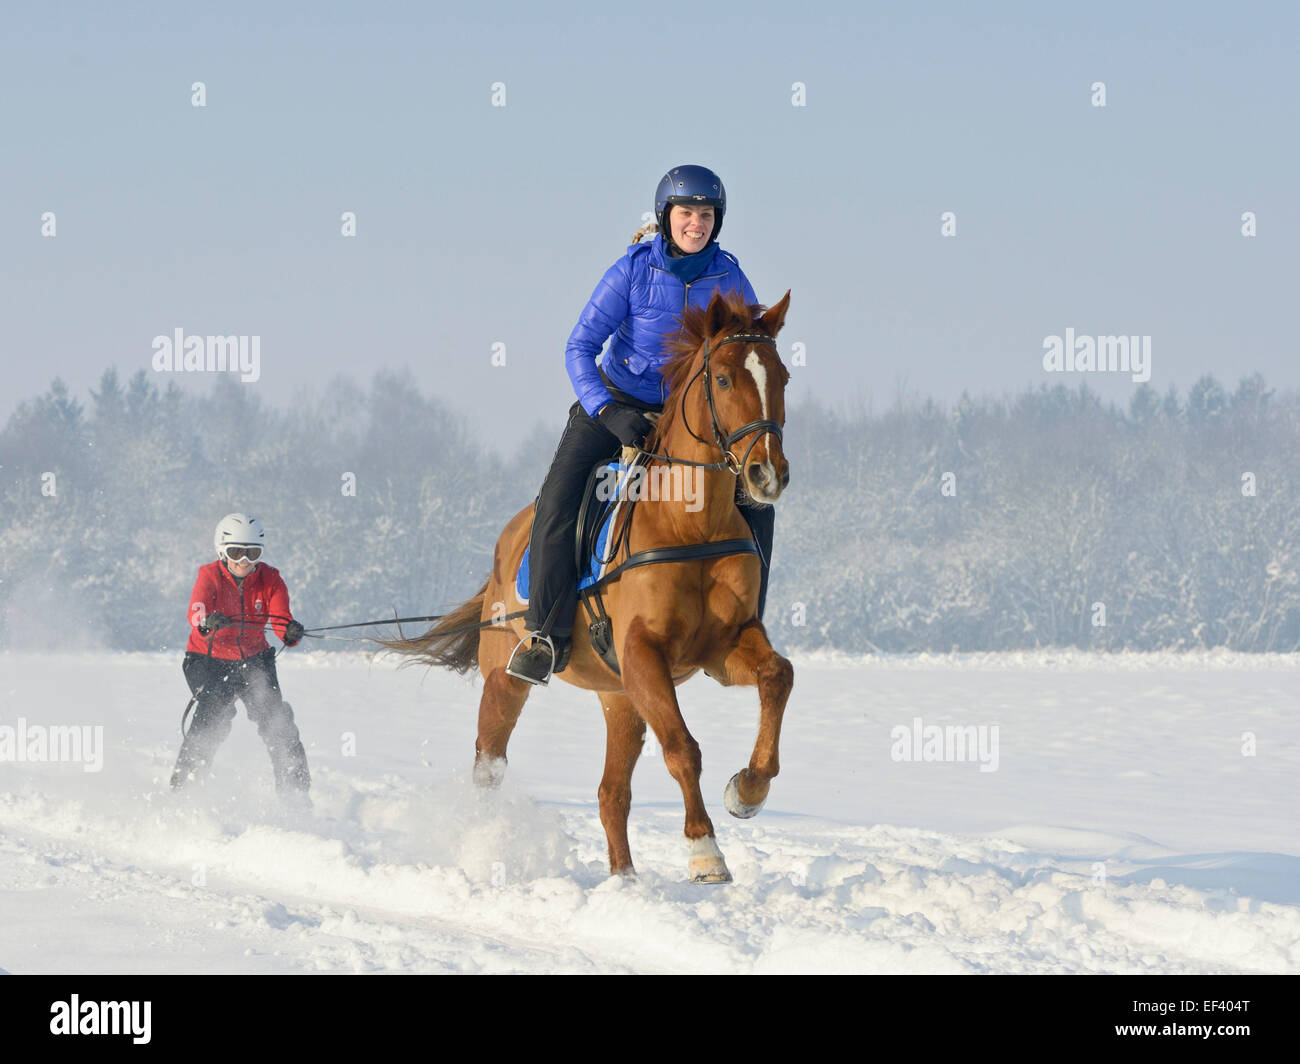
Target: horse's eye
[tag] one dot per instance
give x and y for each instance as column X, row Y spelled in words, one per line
column 723, row 382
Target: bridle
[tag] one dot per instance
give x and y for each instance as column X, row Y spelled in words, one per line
column 723, row 440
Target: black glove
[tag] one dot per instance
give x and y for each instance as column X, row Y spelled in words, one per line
column 292, row 633
column 214, row 622
column 625, row 422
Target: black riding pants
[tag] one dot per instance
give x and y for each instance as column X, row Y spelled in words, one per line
column 552, row 571
column 217, row 683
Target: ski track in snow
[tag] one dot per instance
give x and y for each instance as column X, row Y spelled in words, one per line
column 404, row 866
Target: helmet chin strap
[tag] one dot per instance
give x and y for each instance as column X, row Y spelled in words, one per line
column 682, row 252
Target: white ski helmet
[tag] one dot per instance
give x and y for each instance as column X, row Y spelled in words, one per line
column 238, row 530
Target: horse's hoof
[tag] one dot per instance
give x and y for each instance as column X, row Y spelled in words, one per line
column 731, row 799
column 489, row 771
column 707, row 865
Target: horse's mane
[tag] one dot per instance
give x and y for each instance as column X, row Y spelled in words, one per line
column 682, row 348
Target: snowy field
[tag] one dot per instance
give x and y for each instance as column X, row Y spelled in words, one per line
column 1142, row 817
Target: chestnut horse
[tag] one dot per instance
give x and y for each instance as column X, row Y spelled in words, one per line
column 670, row 619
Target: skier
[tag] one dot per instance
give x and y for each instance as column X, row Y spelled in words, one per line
column 638, row 301
column 227, row 657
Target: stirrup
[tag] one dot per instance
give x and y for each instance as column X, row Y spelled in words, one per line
column 529, row 679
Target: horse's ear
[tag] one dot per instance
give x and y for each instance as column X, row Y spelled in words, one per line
column 774, row 318
column 717, row 315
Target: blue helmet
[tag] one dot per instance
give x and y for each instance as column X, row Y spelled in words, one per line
column 695, row 185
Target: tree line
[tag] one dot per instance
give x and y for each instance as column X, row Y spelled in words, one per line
column 1048, row 518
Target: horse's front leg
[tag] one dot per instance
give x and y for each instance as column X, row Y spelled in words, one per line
column 753, row 662
column 648, row 681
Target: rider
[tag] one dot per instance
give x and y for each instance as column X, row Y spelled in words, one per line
column 227, row 657
column 638, row 301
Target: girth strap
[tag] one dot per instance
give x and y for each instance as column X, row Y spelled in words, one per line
column 602, row 632
column 686, row 552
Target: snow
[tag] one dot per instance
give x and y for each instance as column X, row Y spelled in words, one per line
column 1124, row 829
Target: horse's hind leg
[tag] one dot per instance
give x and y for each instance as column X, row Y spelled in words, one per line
column 498, row 712
column 624, row 739
column 753, row 662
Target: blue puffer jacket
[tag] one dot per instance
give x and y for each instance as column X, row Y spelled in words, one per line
column 638, row 301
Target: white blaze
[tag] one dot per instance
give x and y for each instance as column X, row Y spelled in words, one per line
column 755, row 366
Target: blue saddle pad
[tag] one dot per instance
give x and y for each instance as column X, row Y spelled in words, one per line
column 594, row 568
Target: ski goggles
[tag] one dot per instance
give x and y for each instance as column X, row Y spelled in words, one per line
column 236, row 554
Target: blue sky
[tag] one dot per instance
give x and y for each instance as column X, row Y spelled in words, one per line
column 482, row 225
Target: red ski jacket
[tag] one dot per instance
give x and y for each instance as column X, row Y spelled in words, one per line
column 262, row 597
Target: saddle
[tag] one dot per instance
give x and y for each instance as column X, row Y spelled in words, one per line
column 596, row 514
column 611, row 491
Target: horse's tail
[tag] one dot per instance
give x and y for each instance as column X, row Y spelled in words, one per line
column 452, row 643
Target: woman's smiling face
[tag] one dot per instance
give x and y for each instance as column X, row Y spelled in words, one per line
column 240, row 568
column 691, row 227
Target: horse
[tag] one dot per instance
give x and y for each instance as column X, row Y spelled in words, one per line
column 671, row 619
